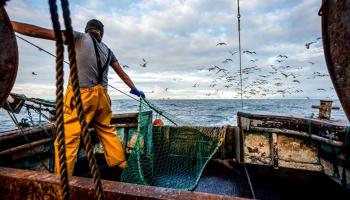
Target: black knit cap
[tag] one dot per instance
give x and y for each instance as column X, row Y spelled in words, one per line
column 94, row 23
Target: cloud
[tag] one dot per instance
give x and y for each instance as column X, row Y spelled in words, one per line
column 179, row 37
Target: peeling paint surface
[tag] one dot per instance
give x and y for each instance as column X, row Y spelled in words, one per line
column 296, row 150
column 257, row 149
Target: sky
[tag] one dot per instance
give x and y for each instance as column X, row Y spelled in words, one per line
column 180, row 41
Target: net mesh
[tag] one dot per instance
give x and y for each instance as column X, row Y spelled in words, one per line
column 169, row 156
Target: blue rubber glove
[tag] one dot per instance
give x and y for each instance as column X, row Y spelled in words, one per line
column 137, row 92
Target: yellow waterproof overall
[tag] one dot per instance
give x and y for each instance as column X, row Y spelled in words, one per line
column 97, row 108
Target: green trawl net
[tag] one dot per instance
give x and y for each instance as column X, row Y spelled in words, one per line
column 171, row 156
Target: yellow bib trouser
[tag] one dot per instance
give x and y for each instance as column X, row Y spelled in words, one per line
column 97, row 108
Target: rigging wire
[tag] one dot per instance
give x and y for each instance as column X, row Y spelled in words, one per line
column 39, row 48
column 240, row 50
column 15, row 121
column 249, row 181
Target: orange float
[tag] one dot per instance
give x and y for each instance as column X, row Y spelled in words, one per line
column 158, row 122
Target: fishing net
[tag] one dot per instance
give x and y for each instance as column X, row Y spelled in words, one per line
column 169, row 156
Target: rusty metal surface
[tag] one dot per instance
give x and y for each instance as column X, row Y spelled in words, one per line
column 8, row 56
column 335, row 172
column 325, row 109
column 324, row 128
column 257, row 149
column 26, row 184
column 336, row 44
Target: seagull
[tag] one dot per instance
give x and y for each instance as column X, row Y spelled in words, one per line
column 296, row 81
column 311, row 63
column 221, row 43
column 282, row 56
column 211, row 68
column 254, row 60
column 285, row 75
column 227, row 60
column 249, row 52
column 125, row 66
column 307, row 45
column 196, row 85
column 166, row 89
column 144, row 63
column 232, row 53
column 33, row 73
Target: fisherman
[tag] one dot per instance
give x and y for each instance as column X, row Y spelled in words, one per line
column 93, row 58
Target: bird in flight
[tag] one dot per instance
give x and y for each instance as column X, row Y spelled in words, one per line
column 227, row 60
column 249, row 52
column 196, row 85
column 307, row 45
column 311, row 63
column 282, row 56
column 166, row 89
column 33, row 73
column 144, row 64
column 254, row 60
column 125, row 66
column 232, row 53
column 221, row 43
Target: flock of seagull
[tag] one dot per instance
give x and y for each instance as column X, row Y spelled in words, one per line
column 269, row 80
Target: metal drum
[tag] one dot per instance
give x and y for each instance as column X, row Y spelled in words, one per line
column 336, row 43
column 8, row 56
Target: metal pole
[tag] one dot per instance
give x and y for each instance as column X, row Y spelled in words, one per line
column 240, row 50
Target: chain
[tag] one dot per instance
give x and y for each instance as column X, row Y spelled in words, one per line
column 30, row 116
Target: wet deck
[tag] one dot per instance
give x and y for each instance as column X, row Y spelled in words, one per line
column 229, row 178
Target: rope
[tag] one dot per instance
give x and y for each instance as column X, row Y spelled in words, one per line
column 76, row 89
column 240, row 50
column 59, row 100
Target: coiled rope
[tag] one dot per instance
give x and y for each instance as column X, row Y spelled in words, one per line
column 76, row 89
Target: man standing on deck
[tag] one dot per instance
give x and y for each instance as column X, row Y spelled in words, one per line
column 93, row 58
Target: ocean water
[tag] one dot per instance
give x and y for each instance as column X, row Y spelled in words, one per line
column 208, row 112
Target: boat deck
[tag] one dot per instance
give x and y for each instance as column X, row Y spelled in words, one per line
column 229, row 178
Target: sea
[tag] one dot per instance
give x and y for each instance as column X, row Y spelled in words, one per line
column 206, row 112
